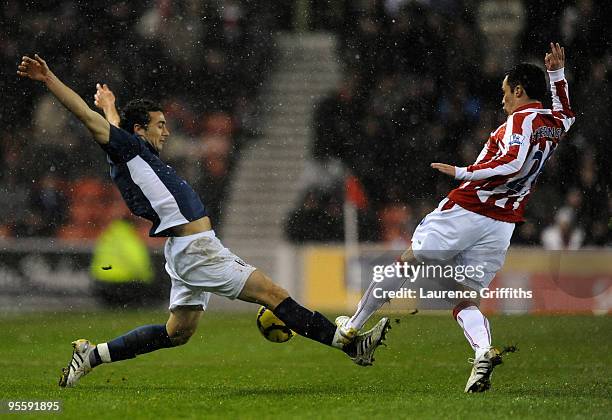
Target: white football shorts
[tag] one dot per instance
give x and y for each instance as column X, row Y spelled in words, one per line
column 199, row 265
column 457, row 236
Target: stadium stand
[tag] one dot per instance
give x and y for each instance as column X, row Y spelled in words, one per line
column 204, row 61
column 422, row 84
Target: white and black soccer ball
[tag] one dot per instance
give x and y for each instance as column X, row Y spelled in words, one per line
column 272, row 328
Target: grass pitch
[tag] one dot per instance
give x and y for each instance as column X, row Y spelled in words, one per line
column 563, row 369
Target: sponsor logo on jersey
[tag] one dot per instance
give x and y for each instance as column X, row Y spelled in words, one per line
column 516, row 139
column 545, row 132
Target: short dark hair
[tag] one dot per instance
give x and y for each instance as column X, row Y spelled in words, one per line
column 137, row 112
column 531, row 78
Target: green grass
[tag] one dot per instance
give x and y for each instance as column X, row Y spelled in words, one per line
column 563, row 370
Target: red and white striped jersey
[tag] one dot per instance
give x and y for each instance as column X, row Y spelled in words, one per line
column 499, row 183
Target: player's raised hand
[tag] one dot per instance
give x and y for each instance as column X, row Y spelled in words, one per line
column 444, row 168
column 34, row 68
column 105, row 100
column 555, row 59
column 104, row 97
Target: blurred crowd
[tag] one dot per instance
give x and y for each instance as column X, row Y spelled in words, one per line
column 204, row 61
column 423, row 84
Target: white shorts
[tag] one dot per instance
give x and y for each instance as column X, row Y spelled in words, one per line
column 199, row 265
column 453, row 234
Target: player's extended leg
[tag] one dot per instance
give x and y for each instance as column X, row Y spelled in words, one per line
column 369, row 303
column 478, row 334
column 180, row 326
column 261, row 289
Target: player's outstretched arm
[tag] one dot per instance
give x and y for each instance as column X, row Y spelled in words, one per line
column 507, row 163
column 444, row 168
column 105, row 100
column 36, row 69
column 555, row 63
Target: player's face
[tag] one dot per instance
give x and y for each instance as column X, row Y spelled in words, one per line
column 508, row 101
column 156, row 131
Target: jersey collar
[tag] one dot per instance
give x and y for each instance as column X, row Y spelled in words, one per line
column 149, row 145
column 536, row 105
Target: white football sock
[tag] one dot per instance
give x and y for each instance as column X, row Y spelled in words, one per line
column 104, row 353
column 370, row 304
column 476, row 329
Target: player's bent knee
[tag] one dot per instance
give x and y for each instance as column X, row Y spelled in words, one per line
column 181, row 333
column 180, row 337
column 183, row 323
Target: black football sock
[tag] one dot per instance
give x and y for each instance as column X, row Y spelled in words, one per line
column 142, row 340
column 94, row 358
column 304, row 322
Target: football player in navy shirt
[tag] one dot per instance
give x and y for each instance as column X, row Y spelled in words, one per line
column 196, row 261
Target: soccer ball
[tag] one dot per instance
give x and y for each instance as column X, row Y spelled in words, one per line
column 271, row 327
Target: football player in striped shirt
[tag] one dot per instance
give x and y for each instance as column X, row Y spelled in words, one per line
column 196, row 261
column 473, row 225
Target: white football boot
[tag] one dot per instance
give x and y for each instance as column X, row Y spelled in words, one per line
column 361, row 349
column 344, row 334
column 79, row 366
column 480, row 378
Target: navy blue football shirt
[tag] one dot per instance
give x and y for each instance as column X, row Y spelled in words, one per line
column 151, row 188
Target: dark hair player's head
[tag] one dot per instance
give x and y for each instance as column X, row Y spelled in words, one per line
column 523, row 83
column 146, row 119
